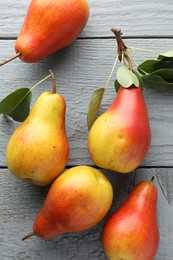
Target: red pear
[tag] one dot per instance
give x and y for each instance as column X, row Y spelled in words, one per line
column 49, row 26
column 132, row 233
column 120, row 138
column 77, row 200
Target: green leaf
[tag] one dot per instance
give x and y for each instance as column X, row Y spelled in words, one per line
column 117, row 85
column 156, row 82
column 167, row 54
column 165, row 74
column 139, row 78
column 126, row 78
column 94, row 105
column 17, row 104
column 150, row 66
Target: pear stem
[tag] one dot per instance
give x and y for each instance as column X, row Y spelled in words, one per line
column 152, row 179
column 121, row 47
column 14, row 57
column 120, row 43
column 28, row 236
column 53, row 82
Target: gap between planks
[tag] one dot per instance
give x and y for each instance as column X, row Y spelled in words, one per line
column 104, row 37
column 141, row 167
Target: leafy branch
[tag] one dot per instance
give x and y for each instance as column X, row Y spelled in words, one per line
column 155, row 74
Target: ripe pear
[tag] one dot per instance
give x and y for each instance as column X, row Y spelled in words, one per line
column 132, row 232
column 50, row 26
column 77, row 200
column 38, row 150
column 120, row 138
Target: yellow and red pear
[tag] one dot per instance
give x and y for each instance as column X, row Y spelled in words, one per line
column 132, row 232
column 77, row 200
column 38, row 150
column 120, row 138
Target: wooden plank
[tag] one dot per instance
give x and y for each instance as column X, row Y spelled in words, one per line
column 80, row 69
column 164, row 183
column 136, row 18
column 20, row 202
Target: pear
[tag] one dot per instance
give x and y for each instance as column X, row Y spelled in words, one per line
column 77, row 200
column 120, row 138
column 132, row 232
column 38, row 150
column 48, row 27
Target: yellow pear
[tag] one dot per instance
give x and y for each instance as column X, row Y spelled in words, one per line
column 38, row 150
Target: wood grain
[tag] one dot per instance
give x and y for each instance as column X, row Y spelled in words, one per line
column 136, row 18
column 163, row 181
column 20, row 202
column 80, row 69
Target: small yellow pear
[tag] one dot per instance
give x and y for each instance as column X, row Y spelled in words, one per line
column 38, row 150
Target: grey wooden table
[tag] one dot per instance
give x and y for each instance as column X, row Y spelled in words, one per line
column 79, row 69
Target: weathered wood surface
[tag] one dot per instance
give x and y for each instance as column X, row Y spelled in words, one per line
column 164, row 184
column 79, row 69
column 136, row 18
column 20, row 202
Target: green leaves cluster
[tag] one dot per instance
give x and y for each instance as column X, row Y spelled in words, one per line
column 151, row 74
column 158, row 74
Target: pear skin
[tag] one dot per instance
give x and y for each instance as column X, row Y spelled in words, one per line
column 132, row 232
column 38, row 150
column 120, row 138
column 50, row 26
column 77, row 200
